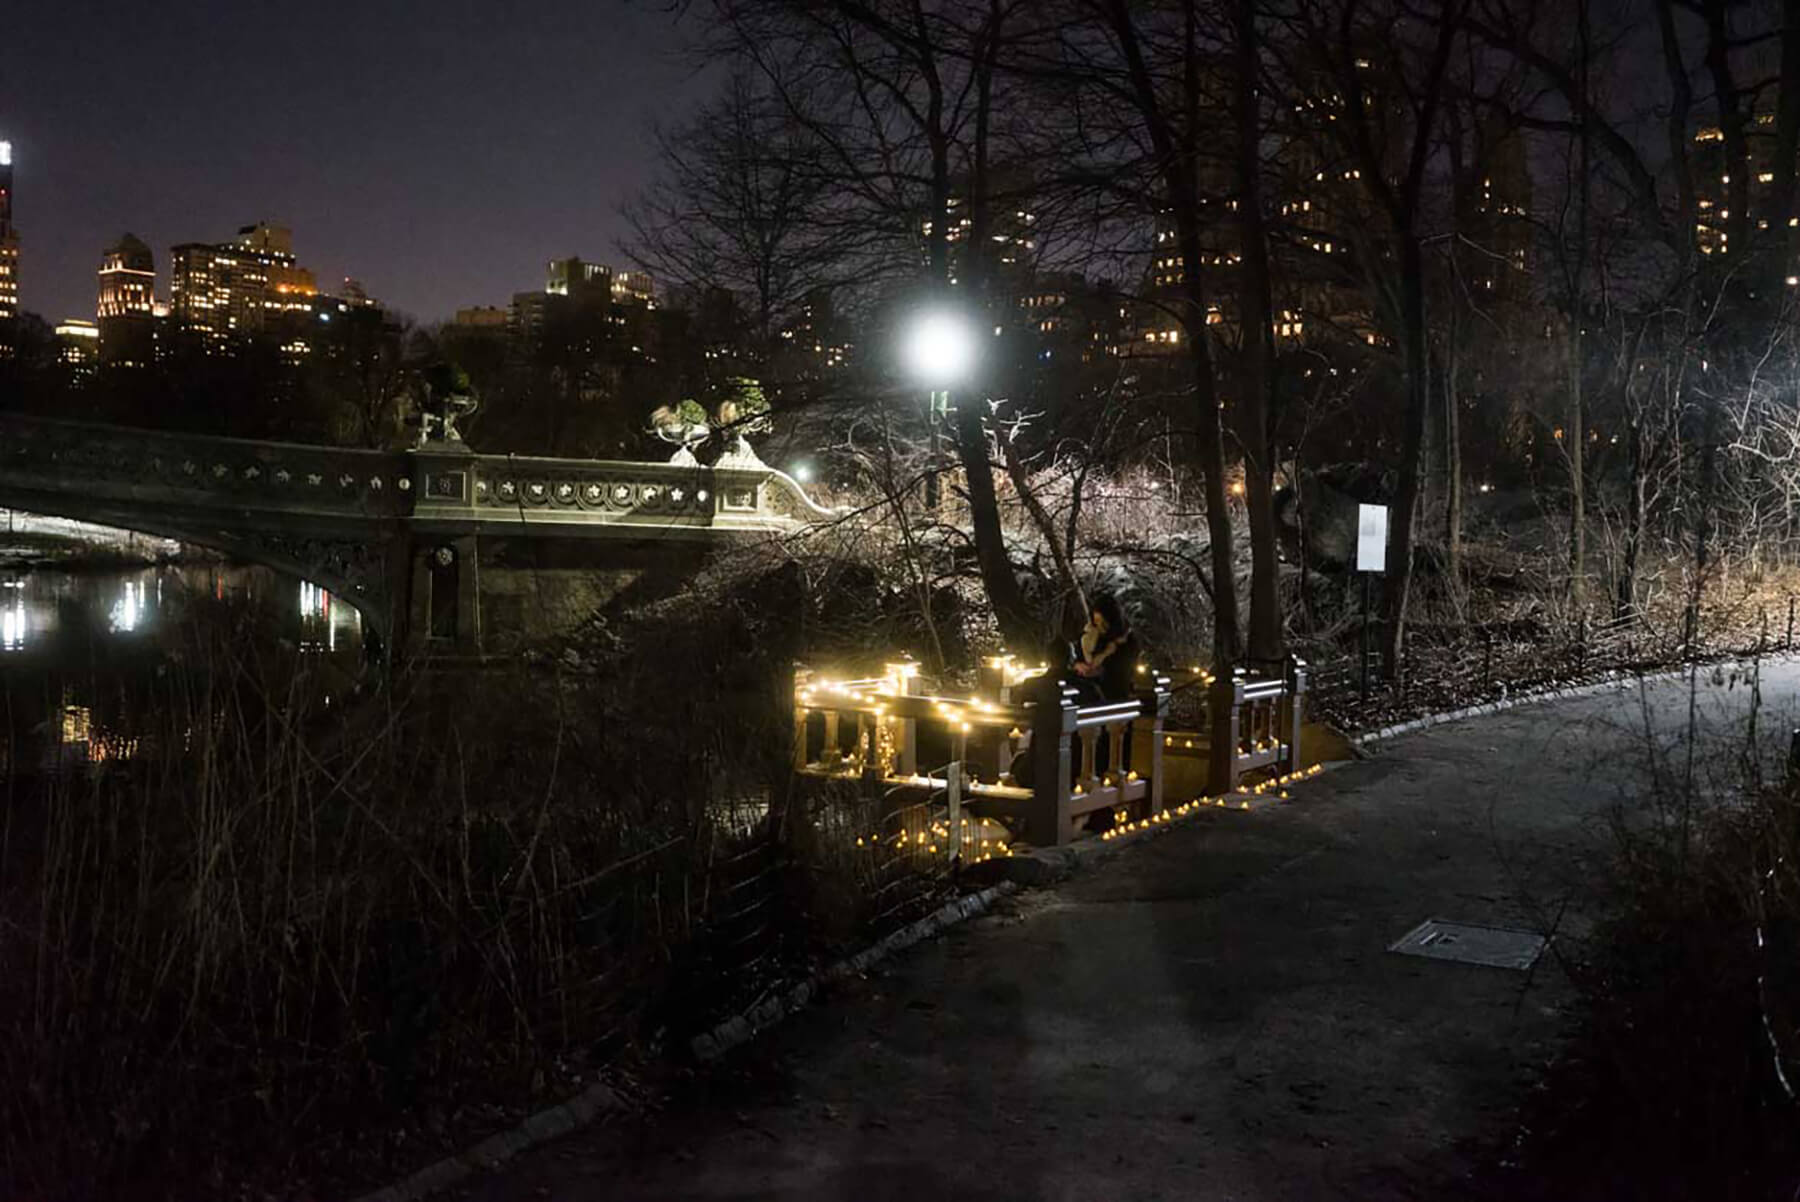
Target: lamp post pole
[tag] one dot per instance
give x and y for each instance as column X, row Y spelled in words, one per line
column 939, row 407
column 939, row 349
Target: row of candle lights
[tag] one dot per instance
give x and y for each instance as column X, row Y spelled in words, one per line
column 983, row 836
column 1221, row 802
column 1187, row 743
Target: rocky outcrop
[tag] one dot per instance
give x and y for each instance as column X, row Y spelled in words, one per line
column 1329, row 498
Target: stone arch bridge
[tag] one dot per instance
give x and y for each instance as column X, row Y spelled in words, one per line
column 441, row 549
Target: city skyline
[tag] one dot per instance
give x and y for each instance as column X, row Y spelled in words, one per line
column 440, row 170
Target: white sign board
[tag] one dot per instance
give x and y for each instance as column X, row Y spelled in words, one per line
column 1371, row 538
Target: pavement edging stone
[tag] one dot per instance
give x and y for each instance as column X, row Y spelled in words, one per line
column 496, row 1149
column 740, row 1030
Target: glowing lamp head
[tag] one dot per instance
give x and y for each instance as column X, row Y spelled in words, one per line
column 940, row 348
column 803, row 472
column 5, row 154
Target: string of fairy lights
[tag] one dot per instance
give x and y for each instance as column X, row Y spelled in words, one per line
column 877, row 746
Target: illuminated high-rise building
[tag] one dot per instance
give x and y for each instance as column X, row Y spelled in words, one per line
column 634, row 288
column 481, row 317
column 582, row 282
column 127, row 280
column 78, row 346
column 9, row 238
column 127, row 303
column 250, row 285
column 214, row 291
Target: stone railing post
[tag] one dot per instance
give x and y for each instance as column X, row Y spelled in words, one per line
column 1296, row 714
column 904, row 677
column 1087, row 748
column 953, row 808
column 1052, row 738
column 444, row 590
column 1156, row 708
column 802, row 678
column 991, row 679
column 1225, row 699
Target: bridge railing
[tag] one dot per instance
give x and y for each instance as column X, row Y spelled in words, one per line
column 455, row 486
column 1257, row 714
column 109, row 463
column 442, row 483
column 1047, row 761
column 1262, row 721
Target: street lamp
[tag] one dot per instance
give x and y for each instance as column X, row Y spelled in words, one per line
column 940, row 349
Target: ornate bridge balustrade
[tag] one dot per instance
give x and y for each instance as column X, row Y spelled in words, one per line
column 422, row 542
column 160, row 472
column 614, row 498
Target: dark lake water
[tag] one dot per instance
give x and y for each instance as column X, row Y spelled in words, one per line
column 88, row 656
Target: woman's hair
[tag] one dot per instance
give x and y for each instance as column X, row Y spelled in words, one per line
column 1107, row 606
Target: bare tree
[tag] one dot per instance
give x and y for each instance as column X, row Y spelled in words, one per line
column 897, row 99
column 1255, row 315
column 738, row 203
column 1161, row 76
column 1387, row 130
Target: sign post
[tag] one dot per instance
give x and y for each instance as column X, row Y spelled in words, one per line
column 1371, row 557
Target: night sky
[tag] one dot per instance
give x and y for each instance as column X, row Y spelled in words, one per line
column 439, row 152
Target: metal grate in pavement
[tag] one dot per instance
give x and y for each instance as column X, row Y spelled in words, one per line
column 1495, row 947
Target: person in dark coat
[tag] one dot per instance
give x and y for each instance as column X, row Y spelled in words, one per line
column 1109, row 659
column 1102, row 666
column 1109, row 649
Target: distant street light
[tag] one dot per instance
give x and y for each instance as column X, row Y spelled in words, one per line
column 939, row 348
column 803, row 472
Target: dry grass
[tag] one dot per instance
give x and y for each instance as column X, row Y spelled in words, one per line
column 307, row 954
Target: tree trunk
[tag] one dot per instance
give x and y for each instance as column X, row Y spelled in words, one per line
column 1073, row 598
column 1177, row 153
column 1703, row 515
column 1418, row 402
column 1786, row 160
column 1256, row 304
column 1734, row 124
column 1453, row 470
column 1635, row 514
column 1577, row 445
column 1017, row 624
column 998, row 579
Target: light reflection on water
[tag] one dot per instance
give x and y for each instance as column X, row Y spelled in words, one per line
column 128, row 608
column 82, row 648
column 39, row 604
column 12, row 616
column 324, row 619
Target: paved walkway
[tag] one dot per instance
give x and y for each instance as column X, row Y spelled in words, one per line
column 1209, row 1015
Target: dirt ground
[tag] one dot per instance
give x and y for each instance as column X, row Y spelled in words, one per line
column 1212, row 1014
